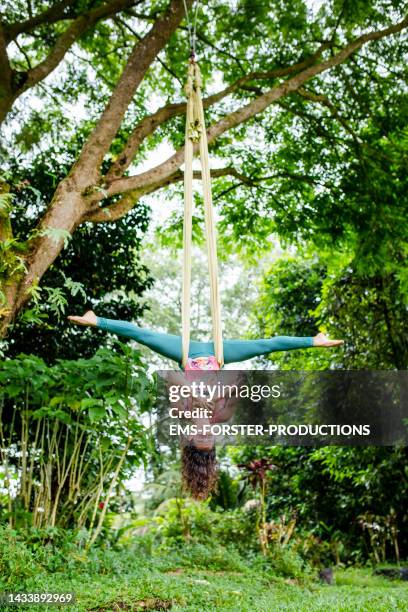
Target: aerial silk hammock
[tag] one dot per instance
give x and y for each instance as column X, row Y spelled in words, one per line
column 196, row 133
column 190, row 354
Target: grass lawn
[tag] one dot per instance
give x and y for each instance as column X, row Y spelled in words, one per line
column 163, row 583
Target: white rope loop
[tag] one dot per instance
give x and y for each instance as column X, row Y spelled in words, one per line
column 191, row 27
column 196, row 133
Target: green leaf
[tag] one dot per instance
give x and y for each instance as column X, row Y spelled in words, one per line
column 96, row 413
column 56, row 235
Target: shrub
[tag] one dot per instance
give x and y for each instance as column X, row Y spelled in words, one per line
column 76, row 420
column 17, row 562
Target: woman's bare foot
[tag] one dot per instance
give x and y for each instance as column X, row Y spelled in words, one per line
column 89, row 318
column 323, row 340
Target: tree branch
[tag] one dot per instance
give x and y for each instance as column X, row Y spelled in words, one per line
column 358, row 141
column 115, row 211
column 58, row 12
column 324, row 101
column 80, row 25
column 243, row 114
column 6, row 78
column 139, row 37
column 121, row 207
column 5, row 68
column 208, row 42
column 18, row 82
column 149, row 124
column 118, row 209
column 143, row 54
column 317, row 126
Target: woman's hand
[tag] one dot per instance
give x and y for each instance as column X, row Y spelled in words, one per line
column 88, row 319
column 323, row 340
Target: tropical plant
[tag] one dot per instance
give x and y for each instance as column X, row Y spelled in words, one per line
column 70, row 434
column 256, row 472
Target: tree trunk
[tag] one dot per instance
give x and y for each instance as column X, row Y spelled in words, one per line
column 6, row 93
column 65, row 213
column 6, row 103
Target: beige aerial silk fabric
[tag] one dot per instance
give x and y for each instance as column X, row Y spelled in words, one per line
column 195, row 132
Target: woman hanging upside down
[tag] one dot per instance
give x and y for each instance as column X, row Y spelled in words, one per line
column 199, row 465
column 201, row 354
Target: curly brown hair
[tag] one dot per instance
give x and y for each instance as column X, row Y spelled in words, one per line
column 199, row 471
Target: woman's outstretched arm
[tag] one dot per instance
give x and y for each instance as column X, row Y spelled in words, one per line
column 240, row 350
column 167, row 345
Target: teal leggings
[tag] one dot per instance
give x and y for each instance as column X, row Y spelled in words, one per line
column 169, row 345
